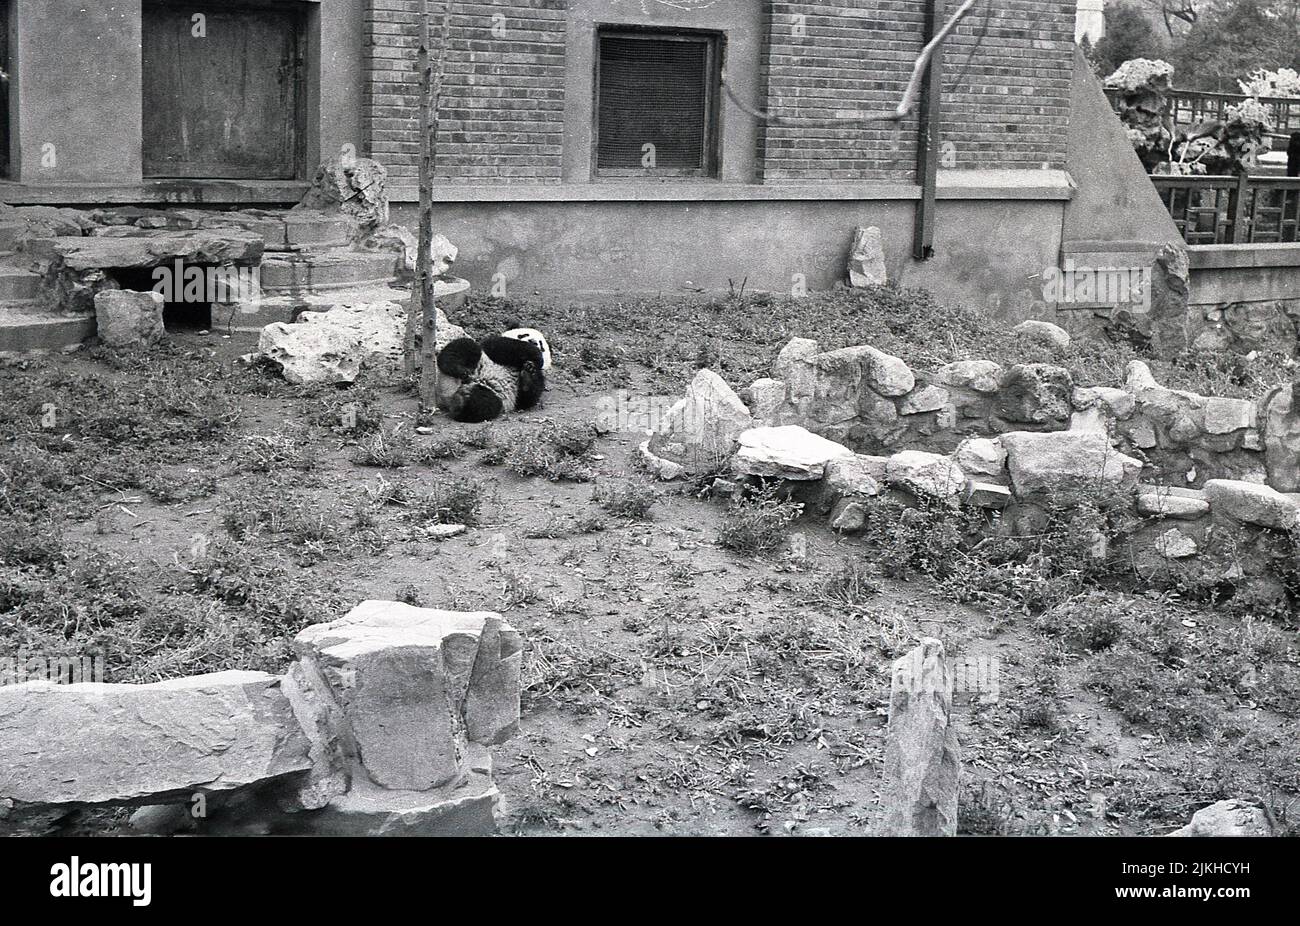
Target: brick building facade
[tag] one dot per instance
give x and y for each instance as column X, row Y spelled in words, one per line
column 1006, row 104
column 603, row 145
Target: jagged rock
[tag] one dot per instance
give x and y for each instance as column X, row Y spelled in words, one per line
column 323, row 723
column 663, row 469
column 1045, row 333
column 125, row 318
column 856, row 475
column 399, row 239
column 794, row 357
column 1036, row 393
column 334, row 346
column 788, row 452
column 1172, row 502
column 705, row 424
column 1223, row 416
column 848, row 516
column 312, row 353
column 1252, row 504
column 98, row 743
column 924, row 399
column 867, row 258
column 986, row 495
column 1067, row 466
column 1227, row 818
column 982, row 456
column 355, row 186
column 416, row 685
column 925, row 474
column 1280, row 418
column 1174, row 544
column 765, row 398
column 922, row 757
column 466, row 809
column 977, row 375
column 45, row 222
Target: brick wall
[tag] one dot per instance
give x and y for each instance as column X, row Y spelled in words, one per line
column 824, row 62
column 1006, row 89
column 1007, row 84
column 502, row 115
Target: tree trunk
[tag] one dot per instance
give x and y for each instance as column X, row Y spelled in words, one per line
column 430, row 96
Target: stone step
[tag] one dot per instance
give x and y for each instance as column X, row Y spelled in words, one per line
column 17, row 283
column 27, row 331
column 325, row 270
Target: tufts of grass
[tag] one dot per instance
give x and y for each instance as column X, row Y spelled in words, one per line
column 758, row 525
column 629, row 500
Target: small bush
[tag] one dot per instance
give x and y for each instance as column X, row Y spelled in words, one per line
column 450, row 501
column 629, row 500
column 758, row 525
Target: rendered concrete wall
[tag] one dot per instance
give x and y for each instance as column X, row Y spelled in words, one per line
column 77, row 86
column 989, row 253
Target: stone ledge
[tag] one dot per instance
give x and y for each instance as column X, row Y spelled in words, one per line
column 1050, row 185
column 194, row 192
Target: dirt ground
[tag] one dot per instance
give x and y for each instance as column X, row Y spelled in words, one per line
column 673, row 687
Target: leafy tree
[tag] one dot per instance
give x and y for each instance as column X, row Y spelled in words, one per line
column 1129, row 35
column 1232, row 38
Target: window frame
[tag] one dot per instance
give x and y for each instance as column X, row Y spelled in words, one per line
column 714, row 42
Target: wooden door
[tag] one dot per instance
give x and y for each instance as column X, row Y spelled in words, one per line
column 222, row 95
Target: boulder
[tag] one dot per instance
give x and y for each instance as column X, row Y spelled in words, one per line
column 354, row 186
column 924, row 474
column 986, row 495
column 416, row 685
column 98, row 743
column 981, row 456
column 867, row 258
column 765, row 398
column 924, row 399
column 1227, row 818
column 1174, row 544
column 1066, row 467
column 1251, row 503
column 466, row 809
column 983, row 376
column 1053, row 337
column 788, row 452
column 848, row 516
column 125, row 318
column 1036, row 393
column 1224, row 416
column 922, row 757
column 1172, row 502
column 705, row 424
column 312, row 353
column 1280, row 418
column 334, row 346
column 663, row 469
column 858, row 474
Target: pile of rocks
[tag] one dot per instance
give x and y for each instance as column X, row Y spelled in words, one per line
column 1020, row 440
column 380, row 727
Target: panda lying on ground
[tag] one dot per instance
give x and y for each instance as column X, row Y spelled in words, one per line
column 504, row 373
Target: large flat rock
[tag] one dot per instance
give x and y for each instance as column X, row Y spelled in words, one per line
column 788, row 452
column 90, row 744
column 198, row 246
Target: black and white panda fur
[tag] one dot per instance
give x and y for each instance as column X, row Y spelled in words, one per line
column 483, row 381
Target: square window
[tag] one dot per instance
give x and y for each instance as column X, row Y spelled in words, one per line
column 656, row 104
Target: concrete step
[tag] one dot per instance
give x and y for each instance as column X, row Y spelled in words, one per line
column 28, row 331
column 322, row 271
column 19, row 283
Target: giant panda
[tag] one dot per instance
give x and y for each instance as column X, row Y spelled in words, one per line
column 482, row 381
